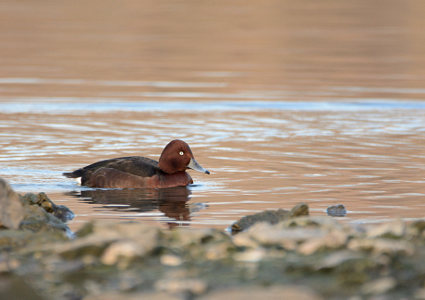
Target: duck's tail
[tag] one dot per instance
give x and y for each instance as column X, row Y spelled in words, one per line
column 75, row 174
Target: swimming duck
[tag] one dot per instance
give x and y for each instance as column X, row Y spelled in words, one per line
column 142, row 172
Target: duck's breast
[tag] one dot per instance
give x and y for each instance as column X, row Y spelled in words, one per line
column 171, row 180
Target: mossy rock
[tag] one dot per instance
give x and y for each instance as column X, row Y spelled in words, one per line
column 269, row 216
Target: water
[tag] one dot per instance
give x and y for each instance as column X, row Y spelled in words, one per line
column 283, row 102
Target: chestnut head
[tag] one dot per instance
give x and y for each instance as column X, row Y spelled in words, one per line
column 177, row 157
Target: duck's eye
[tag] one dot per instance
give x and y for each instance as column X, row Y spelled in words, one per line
column 181, row 152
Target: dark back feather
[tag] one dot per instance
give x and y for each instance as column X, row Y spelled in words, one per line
column 137, row 165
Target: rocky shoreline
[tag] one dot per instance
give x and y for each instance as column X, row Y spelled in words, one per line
column 274, row 254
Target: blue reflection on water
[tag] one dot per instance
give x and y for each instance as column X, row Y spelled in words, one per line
column 81, row 105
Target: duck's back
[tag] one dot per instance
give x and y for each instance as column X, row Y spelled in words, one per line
column 135, row 165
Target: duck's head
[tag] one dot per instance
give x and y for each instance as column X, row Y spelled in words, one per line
column 177, row 157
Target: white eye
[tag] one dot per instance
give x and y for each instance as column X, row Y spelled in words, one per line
column 181, row 153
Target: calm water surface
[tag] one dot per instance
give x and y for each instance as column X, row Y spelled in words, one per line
column 283, row 102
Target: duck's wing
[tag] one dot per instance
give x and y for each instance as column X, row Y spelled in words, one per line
column 136, row 165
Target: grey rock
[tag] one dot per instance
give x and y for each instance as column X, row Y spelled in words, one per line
column 177, row 285
column 336, row 259
column 420, row 294
column 37, row 219
column 112, row 242
column 121, row 252
column 336, row 210
column 171, row 260
column 322, row 222
column 185, row 237
column 133, row 296
column 269, row 293
column 11, row 208
column 265, row 234
column 333, row 239
column 379, row 286
column 381, row 246
column 269, row 216
column 15, row 287
column 35, row 212
column 251, row 255
column 395, row 230
column 301, row 209
column 42, row 200
column 131, row 260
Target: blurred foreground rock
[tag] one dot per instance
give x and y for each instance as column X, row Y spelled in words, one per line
column 11, row 208
column 35, row 212
column 269, row 216
column 282, row 255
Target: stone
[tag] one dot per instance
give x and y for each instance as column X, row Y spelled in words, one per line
column 336, row 210
column 321, row 222
column 379, row 286
column 8, row 264
column 268, row 216
column 131, row 260
column 259, row 292
column 381, row 246
column 125, row 239
column 42, row 200
column 185, row 237
column 265, row 234
column 37, row 219
column 418, row 226
column 11, row 208
column 251, row 255
column 121, row 251
column 35, row 212
column 336, row 259
column 301, row 209
column 395, row 230
column 420, row 294
column 332, row 240
column 15, row 287
column 133, row 296
column 75, row 249
column 10, row 239
column 218, row 250
column 171, row 260
column 174, row 286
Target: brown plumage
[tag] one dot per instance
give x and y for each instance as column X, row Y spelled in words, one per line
column 139, row 172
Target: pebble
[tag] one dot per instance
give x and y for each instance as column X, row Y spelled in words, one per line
column 194, row 286
column 11, row 208
column 170, row 260
column 265, row 234
column 301, row 209
column 395, row 229
column 379, row 286
column 333, row 240
column 269, row 293
column 119, row 251
column 252, row 255
column 336, row 210
column 381, row 246
column 336, row 259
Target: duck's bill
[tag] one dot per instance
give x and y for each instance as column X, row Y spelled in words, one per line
column 193, row 164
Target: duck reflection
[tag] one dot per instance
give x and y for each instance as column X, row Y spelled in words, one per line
column 170, row 201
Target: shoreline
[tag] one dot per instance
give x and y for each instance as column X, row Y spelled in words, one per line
column 273, row 254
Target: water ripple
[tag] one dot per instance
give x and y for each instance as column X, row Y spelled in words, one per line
column 80, row 105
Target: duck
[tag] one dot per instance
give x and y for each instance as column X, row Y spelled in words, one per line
column 142, row 172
